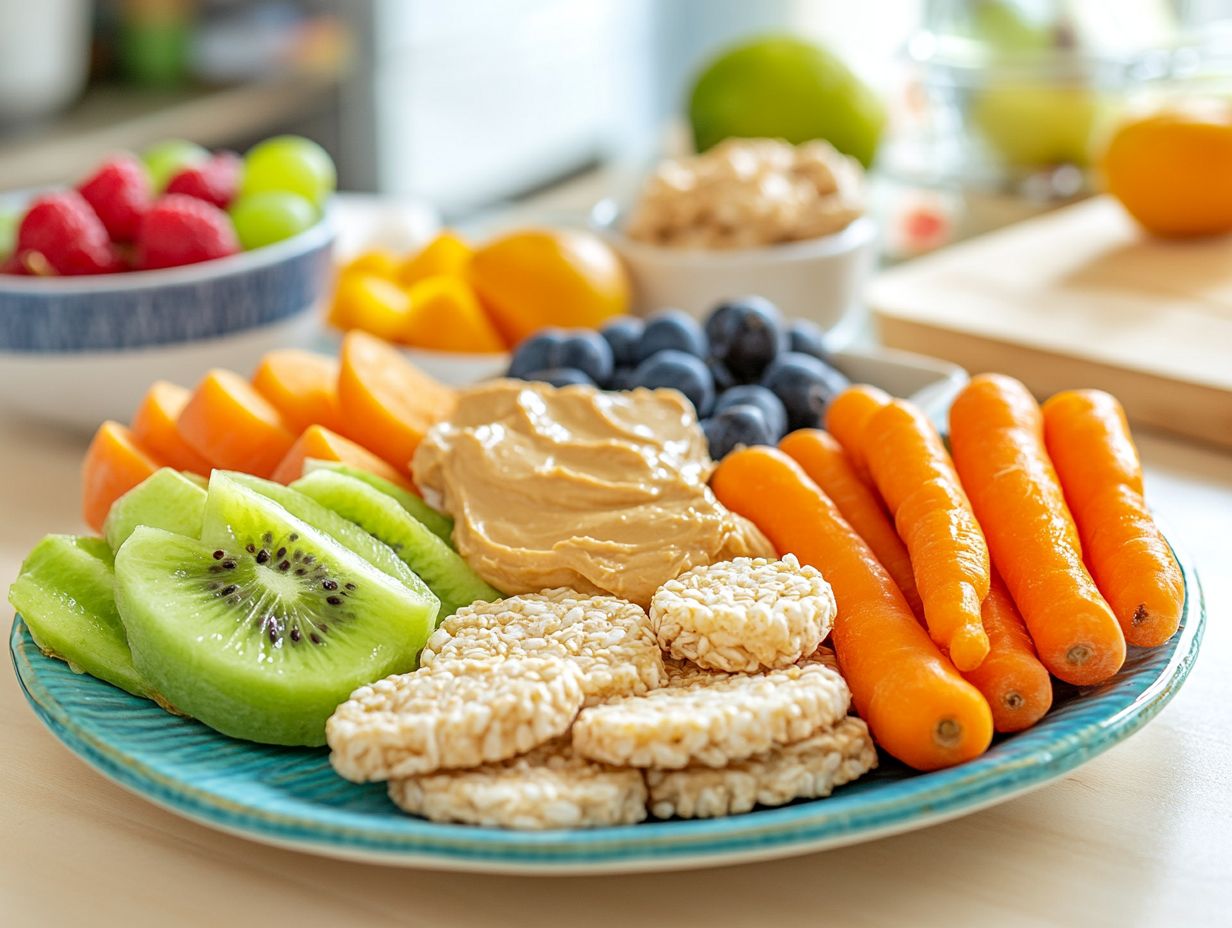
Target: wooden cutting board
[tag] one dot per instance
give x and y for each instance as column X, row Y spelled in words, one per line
column 1079, row 297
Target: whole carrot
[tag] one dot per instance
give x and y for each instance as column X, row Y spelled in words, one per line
column 949, row 557
column 1012, row 679
column 828, row 466
column 997, row 437
column 1089, row 442
column 846, row 416
column 918, row 707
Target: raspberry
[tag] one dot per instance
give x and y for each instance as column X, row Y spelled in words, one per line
column 215, row 181
column 61, row 234
column 119, row 192
column 180, row 229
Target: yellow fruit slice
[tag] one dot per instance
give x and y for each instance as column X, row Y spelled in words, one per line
column 447, row 316
column 536, row 278
column 374, row 304
column 378, row 261
column 448, row 253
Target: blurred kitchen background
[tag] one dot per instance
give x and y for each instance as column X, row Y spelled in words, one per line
column 471, row 104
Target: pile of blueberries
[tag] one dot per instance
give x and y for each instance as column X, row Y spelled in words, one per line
column 751, row 375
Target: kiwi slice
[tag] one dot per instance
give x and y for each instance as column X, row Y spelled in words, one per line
column 343, row 531
column 65, row 594
column 166, row 499
column 437, row 523
column 449, row 577
column 263, row 627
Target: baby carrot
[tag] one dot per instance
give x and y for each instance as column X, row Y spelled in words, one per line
column 934, row 519
column 846, row 417
column 997, row 436
column 918, row 707
column 828, row 466
column 1012, row 679
column 1089, row 442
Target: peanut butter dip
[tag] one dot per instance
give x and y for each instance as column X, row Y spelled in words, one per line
column 574, row 487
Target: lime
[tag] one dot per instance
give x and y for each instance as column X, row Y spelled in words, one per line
column 784, row 87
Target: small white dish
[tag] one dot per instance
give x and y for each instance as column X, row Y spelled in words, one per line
column 819, row 279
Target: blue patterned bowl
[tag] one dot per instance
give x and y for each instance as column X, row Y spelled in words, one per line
column 83, row 349
column 292, row 797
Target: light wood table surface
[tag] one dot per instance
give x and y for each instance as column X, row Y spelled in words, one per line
column 1140, row 836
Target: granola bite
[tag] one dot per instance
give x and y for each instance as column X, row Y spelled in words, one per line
column 550, row 787
column 712, row 718
column 808, row 769
column 609, row 639
column 744, row 615
column 460, row 714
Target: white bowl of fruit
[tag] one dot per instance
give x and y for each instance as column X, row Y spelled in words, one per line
column 164, row 265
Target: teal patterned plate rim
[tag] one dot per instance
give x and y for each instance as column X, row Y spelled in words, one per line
column 290, row 796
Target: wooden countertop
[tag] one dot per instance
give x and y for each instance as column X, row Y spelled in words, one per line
column 1140, row 836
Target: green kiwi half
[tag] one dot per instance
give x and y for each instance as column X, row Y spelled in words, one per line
column 65, row 595
column 442, row 568
column 166, row 499
column 265, row 625
column 437, row 523
column 343, row 531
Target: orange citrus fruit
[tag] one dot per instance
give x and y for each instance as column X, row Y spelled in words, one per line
column 536, row 278
column 1172, row 170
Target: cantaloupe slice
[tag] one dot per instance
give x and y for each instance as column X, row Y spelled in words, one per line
column 321, row 444
column 234, row 427
column 114, row 464
column 387, row 403
column 301, row 385
column 154, row 427
column 446, row 315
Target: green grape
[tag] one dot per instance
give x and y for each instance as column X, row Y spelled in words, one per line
column 264, row 218
column 9, row 221
column 165, row 159
column 292, row 164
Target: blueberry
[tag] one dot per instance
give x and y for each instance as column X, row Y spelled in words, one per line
column 742, row 424
column 587, row 351
column 580, row 349
column 622, row 379
column 805, row 385
column 680, row 371
column 671, row 329
column 623, row 334
column 560, row 377
column 723, row 379
column 539, row 352
column 808, row 338
column 746, row 335
column 752, row 394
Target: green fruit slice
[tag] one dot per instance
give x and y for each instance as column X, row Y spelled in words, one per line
column 449, row 577
column 343, row 531
column 65, row 594
column 166, row 499
column 262, row 628
column 437, row 523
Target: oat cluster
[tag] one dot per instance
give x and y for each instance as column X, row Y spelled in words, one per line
column 559, row 710
column 807, row 769
column 459, row 714
column 744, row 615
column 712, row 719
column 549, row 787
column 609, row 639
column 748, row 193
